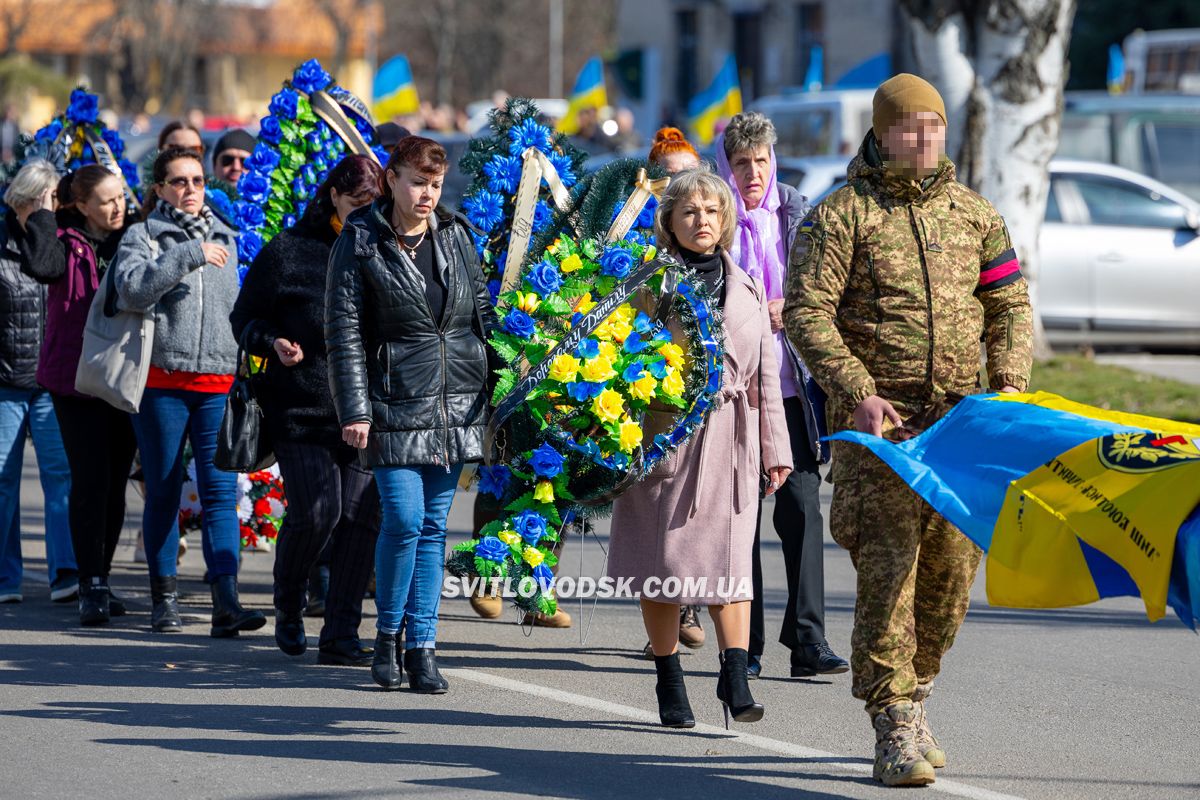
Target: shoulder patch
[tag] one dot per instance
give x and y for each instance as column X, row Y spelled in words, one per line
column 808, row 247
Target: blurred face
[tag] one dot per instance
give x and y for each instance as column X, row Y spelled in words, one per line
column 696, row 223
column 104, row 210
column 915, row 144
column 187, row 139
column 231, row 164
column 347, row 204
column 416, row 193
column 183, row 187
column 678, row 162
column 751, row 168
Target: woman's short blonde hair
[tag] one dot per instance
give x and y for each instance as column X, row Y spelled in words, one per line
column 30, row 184
column 704, row 182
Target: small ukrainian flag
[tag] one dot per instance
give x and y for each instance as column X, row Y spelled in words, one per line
column 394, row 93
column 589, row 92
column 721, row 100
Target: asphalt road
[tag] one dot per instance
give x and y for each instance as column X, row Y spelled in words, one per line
column 1185, row 368
column 1073, row 703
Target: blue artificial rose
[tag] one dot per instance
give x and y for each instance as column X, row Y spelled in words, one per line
column 646, row 218
column 634, row 343
column 504, row 174
column 300, row 206
column 616, row 262
column 322, row 130
column 285, row 104
column 546, row 462
column 49, row 133
column 484, row 209
column 564, row 168
column 518, row 323
column 588, row 348
column 309, row 77
column 582, row 391
column 74, row 164
column 270, row 131
column 221, row 205
column 528, row 134
column 381, row 154
column 315, row 143
column 321, row 165
column 248, row 216
column 364, row 127
column 264, row 159
column 309, row 174
column 83, row 107
column 544, row 577
column 545, row 278
column 288, row 221
column 658, row 368
column 634, row 371
column 491, row 549
column 253, row 187
column 636, row 237
column 480, row 243
column 130, row 171
column 249, row 245
column 302, row 190
column 494, row 480
column 576, row 318
column 87, row 155
column 493, row 287
column 542, row 216
column 642, row 323
column 530, row 526
column 115, row 144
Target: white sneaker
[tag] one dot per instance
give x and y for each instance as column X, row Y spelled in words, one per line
column 11, row 597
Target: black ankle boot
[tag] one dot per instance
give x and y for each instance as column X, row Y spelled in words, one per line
column 228, row 616
column 164, row 617
column 289, row 633
column 93, row 602
column 116, row 606
column 384, row 669
column 423, row 675
column 674, row 711
column 733, row 690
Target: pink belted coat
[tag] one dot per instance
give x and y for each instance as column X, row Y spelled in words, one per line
column 693, row 516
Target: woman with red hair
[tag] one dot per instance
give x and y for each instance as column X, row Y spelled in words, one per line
column 673, row 152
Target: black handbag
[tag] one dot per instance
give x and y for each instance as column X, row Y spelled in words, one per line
column 242, row 442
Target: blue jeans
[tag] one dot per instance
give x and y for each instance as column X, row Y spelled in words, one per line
column 31, row 411
column 411, row 551
column 166, row 417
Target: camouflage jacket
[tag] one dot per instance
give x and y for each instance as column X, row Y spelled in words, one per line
column 892, row 285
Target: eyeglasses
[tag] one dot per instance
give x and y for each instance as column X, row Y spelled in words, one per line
column 181, row 183
column 228, row 160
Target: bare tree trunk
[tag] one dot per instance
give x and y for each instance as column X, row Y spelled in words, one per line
column 15, row 19
column 1001, row 66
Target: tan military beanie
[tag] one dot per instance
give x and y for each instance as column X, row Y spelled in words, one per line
column 904, row 94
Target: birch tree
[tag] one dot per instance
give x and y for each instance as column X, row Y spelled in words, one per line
column 1001, row 66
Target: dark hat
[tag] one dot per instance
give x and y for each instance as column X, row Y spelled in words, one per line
column 389, row 134
column 236, row 139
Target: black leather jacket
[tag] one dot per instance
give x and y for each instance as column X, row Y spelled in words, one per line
column 22, row 313
column 421, row 383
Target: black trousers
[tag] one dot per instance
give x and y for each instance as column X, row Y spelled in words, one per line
column 331, row 499
column 798, row 524
column 100, row 446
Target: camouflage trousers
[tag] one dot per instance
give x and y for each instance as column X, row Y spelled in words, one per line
column 915, row 571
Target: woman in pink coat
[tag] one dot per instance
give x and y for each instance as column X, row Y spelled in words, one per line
column 685, row 534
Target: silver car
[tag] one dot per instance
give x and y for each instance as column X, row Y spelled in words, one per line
column 1120, row 259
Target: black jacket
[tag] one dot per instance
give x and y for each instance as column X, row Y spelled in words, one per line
column 421, row 383
column 283, row 296
column 22, row 312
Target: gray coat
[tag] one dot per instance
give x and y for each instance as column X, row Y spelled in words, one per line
column 158, row 266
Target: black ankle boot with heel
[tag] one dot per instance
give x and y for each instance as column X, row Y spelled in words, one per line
column 164, row 593
column 733, row 690
column 385, row 671
column 423, row 675
column 674, row 711
column 229, row 618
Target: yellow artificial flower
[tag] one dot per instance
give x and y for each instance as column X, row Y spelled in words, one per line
column 608, row 406
column 643, row 388
column 603, row 331
column 532, row 556
column 609, row 351
column 508, row 537
column 528, row 302
column 631, row 436
column 544, row 492
column 619, row 329
column 673, row 384
column 572, row 263
column 673, row 353
column 585, row 303
column 598, row 370
column 564, row 368
column 650, row 253
column 624, row 312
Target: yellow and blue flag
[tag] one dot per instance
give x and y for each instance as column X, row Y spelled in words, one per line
column 394, row 94
column 721, row 100
column 589, row 92
column 1071, row 503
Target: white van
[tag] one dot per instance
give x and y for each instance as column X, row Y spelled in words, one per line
column 829, row 123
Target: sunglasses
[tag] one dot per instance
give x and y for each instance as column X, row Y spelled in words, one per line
column 181, row 183
column 228, row 160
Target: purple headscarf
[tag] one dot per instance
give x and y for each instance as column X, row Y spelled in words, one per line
column 759, row 244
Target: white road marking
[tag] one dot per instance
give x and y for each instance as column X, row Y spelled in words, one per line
column 830, row 760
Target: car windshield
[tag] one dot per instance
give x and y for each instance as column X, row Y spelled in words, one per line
column 1111, row 201
column 803, row 132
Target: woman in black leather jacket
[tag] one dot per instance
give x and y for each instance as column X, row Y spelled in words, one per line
column 407, row 313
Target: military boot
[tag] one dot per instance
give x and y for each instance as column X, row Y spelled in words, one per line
column 927, row 743
column 898, row 762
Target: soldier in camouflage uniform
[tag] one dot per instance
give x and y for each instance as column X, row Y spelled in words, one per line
column 893, row 282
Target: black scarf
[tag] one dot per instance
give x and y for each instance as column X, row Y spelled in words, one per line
column 710, row 268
